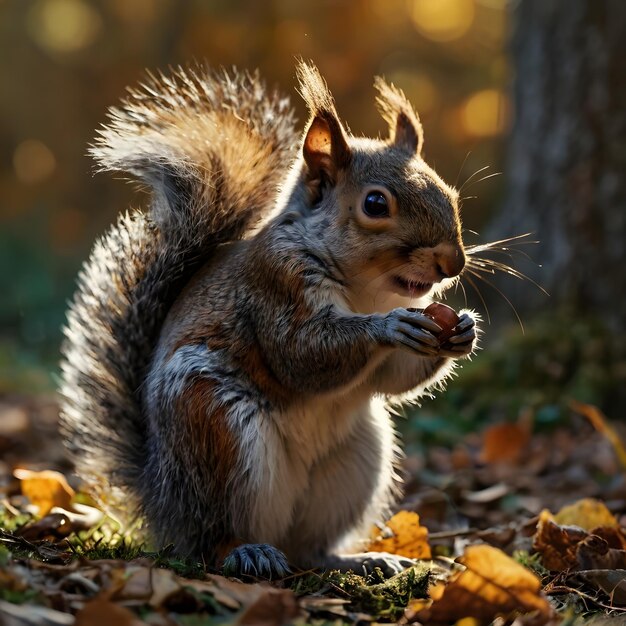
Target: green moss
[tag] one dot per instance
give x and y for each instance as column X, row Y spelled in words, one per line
column 11, row 522
column 531, row 562
column 383, row 599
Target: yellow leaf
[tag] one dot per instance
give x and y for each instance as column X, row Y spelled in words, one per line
column 586, row 513
column 407, row 537
column 492, row 585
column 45, row 489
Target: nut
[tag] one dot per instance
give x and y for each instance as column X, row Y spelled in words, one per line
column 445, row 316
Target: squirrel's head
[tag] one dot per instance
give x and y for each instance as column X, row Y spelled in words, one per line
column 390, row 223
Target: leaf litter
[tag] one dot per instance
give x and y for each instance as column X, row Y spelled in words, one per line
column 511, row 527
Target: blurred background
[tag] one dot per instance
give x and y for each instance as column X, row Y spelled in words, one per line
column 523, row 104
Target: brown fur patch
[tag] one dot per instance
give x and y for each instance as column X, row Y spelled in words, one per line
column 213, row 445
column 254, row 365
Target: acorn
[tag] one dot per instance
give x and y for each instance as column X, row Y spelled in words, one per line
column 444, row 316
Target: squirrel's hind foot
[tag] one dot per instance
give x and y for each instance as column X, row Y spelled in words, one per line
column 366, row 562
column 256, row 559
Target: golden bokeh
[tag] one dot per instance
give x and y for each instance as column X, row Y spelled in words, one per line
column 442, row 20
column 485, row 113
column 33, row 162
column 64, row 25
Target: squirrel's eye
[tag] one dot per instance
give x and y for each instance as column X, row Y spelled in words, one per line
column 375, row 205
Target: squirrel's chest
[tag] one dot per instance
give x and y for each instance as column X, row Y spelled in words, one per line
column 311, row 430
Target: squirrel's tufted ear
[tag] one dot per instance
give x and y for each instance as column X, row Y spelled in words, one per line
column 405, row 129
column 325, row 147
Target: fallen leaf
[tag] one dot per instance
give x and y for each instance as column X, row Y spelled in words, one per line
column 492, row 585
column 151, row 585
column 574, row 548
column 601, row 424
column 102, row 612
column 612, row 582
column 556, row 544
column 402, row 535
column 613, row 536
column 271, row 607
column 587, row 513
column 593, row 552
column 27, row 614
column 504, row 443
column 54, row 527
column 261, row 604
column 208, row 586
column 45, row 489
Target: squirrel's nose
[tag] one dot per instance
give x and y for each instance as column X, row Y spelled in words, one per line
column 449, row 259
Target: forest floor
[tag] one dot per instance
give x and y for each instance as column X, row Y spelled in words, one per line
column 514, row 511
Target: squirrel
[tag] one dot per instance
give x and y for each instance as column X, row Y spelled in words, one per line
column 231, row 352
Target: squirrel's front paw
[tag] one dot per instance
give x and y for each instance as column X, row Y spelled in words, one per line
column 461, row 342
column 412, row 330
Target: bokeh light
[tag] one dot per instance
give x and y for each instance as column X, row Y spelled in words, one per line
column 485, row 113
column 33, row 162
column 64, row 25
column 442, row 20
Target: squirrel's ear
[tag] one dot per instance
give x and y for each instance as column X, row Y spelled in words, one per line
column 405, row 129
column 325, row 147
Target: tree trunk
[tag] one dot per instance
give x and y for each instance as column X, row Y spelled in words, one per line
column 567, row 158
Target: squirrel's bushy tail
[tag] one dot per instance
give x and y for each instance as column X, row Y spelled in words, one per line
column 213, row 150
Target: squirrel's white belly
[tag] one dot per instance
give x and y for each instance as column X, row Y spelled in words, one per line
column 320, row 468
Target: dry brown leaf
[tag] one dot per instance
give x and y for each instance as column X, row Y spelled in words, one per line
column 406, row 537
column 271, row 607
column 612, row 582
column 102, row 612
column 45, row 489
column 53, row 527
column 209, row 586
column 504, row 443
column 262, row 605
column 587, row 513
column 593, row 552
column 151, row 585
column 573, row 548
column 491, row 585
column 613, row 536
column 556, row 544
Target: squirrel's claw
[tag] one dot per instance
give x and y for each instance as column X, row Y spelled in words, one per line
column 256, row 559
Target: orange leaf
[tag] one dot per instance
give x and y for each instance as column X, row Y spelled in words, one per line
column 492, row 585
column 504, row 443
column 45, row 489
column 102, row 612
column 407, row 537
column 601, row 424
